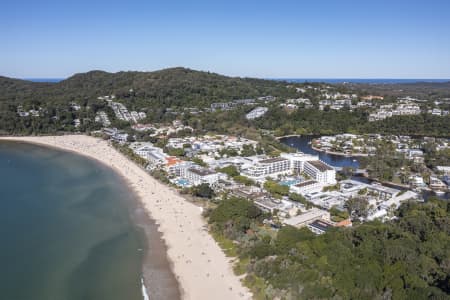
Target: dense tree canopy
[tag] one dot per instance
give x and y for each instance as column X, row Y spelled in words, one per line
column 408, row 258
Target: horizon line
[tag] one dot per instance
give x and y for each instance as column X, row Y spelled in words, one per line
column 240, row 76
column 267, row 78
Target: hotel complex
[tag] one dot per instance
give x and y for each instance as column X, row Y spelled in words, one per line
column 304, row 174
column 291, row 163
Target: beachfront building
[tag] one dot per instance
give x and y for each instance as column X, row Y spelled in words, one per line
column 116, row 135
column 190, row 173
column 198, row 175
column 307, row 217
column 282, row 207
column 178, row 167
column 154, row 155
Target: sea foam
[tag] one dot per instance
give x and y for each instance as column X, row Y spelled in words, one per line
column 144, row 290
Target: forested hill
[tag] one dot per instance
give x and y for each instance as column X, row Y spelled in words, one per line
column 170, row 87
column 10, row 88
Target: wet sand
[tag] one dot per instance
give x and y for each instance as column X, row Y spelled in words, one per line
column 160, row 281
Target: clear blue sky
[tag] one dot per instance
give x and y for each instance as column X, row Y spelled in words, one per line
column 258, row 38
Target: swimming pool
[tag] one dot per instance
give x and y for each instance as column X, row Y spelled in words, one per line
column 289, row 182
column 182, row 182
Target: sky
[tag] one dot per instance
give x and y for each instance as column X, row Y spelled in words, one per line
column 247, row 38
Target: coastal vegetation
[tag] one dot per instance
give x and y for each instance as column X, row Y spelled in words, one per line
column 317, row 122
column 407, row 258
column 168, row 88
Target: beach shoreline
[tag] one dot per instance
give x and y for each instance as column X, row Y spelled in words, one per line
column 199, row 265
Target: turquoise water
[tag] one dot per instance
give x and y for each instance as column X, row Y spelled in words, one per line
column 364, row 80
column 65, row 228
column 289, row 182
column 183, row 182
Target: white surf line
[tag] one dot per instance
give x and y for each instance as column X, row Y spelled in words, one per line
column 144, row 290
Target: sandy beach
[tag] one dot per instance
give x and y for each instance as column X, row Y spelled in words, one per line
column 201, row 268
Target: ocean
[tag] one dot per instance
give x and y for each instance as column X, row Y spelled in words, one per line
column 49, row 80
column 359, row 80
column 302, row 80
column 67, row 229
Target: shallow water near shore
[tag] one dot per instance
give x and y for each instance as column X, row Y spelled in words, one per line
column 71, row 229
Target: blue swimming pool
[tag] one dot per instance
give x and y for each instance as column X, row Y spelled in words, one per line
column 183, row 182
column 289, row 182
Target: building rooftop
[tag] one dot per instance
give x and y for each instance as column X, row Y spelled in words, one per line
column 267, row 203
column 201, row 171
column 310, row 215
column 321, row 225
column 322, row 167
column 170, row 161
column 272, row 160
column 383, row 189
column 157, row 154
column 306, row 183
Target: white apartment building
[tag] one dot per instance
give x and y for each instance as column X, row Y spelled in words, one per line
column 288, row 163
column 306, row 187
column 320, row 171
column 154, row 155
column 269, row 167
column 178, row 168
column 297, row 160
column 198, row 175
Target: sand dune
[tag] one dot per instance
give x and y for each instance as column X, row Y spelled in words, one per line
column 202, row 269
